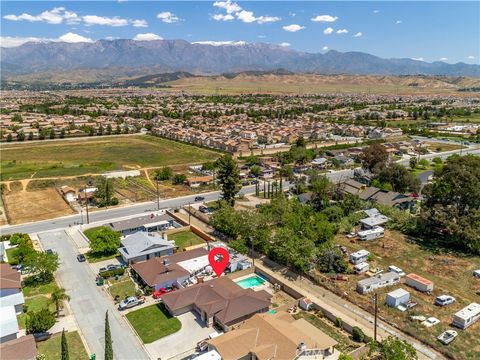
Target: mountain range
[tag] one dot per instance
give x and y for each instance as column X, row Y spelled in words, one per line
column 144, row 57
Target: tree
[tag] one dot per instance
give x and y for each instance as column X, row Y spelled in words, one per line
column 9, row 137
column 357, row 334
column 43, row 264
column 331, row 260
column 345, row 357
column 103, row 240
column 17, row 118
column 208, row 166
column 65, row 355
column 287, row 172
column 179, row 179
column 164, row 173
column 62, row 133
column 423, row 163
column 52, row 134
column 451, row 211
column 108, row 340
column 399, row 178
column 57, row 297
column 21, row 136
column 255, row 170
column 375, row 158
column 39, row 321
column 394, row 348
column 228, row 177
column 104, row 193
column 322, row 190
column 413, row 162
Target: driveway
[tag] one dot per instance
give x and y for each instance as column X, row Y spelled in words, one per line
column 89, row 303
column 193, row 330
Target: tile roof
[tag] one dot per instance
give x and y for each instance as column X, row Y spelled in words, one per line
column 23, row 348
column 9, row 278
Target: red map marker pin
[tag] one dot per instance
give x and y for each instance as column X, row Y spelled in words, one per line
column 218, row 258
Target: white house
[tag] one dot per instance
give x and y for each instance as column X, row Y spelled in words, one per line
column 467, row 316
column 8, row 324
column 16, row 300
column 142, row 246
column 377, row 282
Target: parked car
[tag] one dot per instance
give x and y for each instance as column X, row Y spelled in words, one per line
column 158, row 294
column 431, row 321
column 130, row 302
column 199, row 198
column 81, row 258
column 112, row 267
column 49, row 252
column 476, row 273
column 204, row 209
column 444, row 300
column 407, row 306
column 447, row 336
column 339, row 277
column 202, row 346
column 395, row 269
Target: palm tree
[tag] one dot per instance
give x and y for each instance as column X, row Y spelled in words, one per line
column 57, row 297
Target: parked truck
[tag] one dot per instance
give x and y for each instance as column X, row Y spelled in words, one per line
column 130, row 302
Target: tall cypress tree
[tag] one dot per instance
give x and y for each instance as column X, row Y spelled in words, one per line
column 108, row 340
column 64, row 346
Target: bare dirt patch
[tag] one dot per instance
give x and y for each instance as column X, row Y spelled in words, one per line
column 26, row 206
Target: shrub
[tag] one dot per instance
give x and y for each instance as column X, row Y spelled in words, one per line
column 357, row 334
column 338, row 322
column 148, row 290
column 110, row 273
column 21, row 239
column 40, row 321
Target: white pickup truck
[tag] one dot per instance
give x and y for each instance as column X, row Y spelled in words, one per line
column 130, row 302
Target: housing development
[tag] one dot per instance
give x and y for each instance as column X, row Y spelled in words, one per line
column 216, row 198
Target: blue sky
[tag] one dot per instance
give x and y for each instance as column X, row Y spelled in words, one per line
column 432, row 31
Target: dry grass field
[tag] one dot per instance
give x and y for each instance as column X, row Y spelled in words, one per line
column 27, row 206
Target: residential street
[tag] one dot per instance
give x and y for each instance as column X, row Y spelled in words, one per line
column 89, row 303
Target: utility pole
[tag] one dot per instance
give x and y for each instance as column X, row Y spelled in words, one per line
column 375, row 301
column 158, row 198
column 86, row 204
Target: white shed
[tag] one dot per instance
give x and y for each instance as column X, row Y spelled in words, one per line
column 397, row 297
column 305, row 304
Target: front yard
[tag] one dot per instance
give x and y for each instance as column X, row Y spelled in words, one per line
column 52, row 348
column 123, row 287
column 185, row 239
column 153, row 322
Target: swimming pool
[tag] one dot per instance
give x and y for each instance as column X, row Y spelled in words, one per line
column 250, row 282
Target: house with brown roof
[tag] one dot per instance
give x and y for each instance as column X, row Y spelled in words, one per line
column 274, row 336
column 219, row 301
column 9, row 280
column 23, row 348
column 174, row 270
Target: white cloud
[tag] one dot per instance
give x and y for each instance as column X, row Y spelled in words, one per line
column 168, row 17
column 328, row 31
column 139, row 23
column 443, row 59
column 221, row 43
column 358, row 34
column 285, row 44
column 246, row 16
column 262, row 36
column 325, row 48
column 376, row 11
column 55, row 16
column 325, row 18
column 342, row 31
column 470, row 57
column 293, row 27
column 73, row 38
column 223, row 17
column 103, row 20
column 267, row 19
column 110, row 38
column 418, row 59
column 398, row 22
column 147, row 37
column 228, row 6
column 292, row 14
column 14, row 41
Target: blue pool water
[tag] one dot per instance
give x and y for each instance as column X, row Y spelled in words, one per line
column 251, row 281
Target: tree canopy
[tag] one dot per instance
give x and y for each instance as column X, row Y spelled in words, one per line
column 375, row 158
column 451, row 211
column 229, row 178
column 103, row 240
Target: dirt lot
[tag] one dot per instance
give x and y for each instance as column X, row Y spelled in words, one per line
column 451, row 274
column 26, row 206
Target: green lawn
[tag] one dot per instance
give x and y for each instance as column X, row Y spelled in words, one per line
column 122, row 287
column 12, row 259
column 52, row 347
column 186, row 238
column 34, row 303
column 153, row 322
column 96, row 258
column 37, row 289
column 92, row 155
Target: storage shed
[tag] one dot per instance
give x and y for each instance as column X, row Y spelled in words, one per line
column 419, row 283
column 305, row 304
column 397, row 297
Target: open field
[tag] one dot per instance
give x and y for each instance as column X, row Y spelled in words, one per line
column 26, row 206
column 153, row 322
column 52, row 348
column 310, row 83
column 90, row 155
column 451, row 274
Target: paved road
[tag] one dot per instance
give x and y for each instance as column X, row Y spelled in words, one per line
column 89, row 303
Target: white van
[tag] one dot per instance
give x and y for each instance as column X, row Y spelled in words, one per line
column 361, row 268
column 395, row 269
